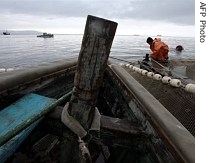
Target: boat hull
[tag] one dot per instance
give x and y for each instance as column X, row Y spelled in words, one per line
column 121, row 97
column 6, row 33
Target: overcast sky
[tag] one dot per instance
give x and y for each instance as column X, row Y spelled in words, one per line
column 143, row 17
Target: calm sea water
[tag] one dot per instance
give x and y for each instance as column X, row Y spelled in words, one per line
column 22, row 51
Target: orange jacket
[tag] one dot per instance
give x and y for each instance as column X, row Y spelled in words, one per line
column 159, row 49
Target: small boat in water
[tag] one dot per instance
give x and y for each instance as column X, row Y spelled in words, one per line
column 46, row 35
column 6, row 33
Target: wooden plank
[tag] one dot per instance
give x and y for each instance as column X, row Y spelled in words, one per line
column 121, row 125
column 109, row 123
column 12, row 145
column 96, row 44
column 21, row 112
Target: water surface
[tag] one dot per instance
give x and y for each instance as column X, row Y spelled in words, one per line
column 22, row 51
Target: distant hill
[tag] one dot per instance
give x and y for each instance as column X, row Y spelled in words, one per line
column 24, row 32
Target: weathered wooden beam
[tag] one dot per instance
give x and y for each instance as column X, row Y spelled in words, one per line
column 121, row 126
column 96, row 44
column 97, row 40
column 113, row 132
column 94, row 53
column 115, row 125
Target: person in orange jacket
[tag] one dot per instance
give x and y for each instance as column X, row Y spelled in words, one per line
column 159, row 49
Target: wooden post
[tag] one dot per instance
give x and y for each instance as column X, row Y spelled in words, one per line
column 96, row 44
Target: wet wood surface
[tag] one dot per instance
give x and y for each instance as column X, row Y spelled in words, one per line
column 96, row 44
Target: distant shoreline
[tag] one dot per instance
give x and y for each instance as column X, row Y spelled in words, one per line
column 34, row 32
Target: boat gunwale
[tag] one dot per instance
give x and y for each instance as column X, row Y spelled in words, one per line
column 14, row 80
column 178, row 139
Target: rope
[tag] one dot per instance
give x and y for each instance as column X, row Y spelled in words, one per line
column 123, row 60
column 157, row 63
column 84, row 152
column 72, row 123
column 77, row 128
column 171, row 73
column 157, row 69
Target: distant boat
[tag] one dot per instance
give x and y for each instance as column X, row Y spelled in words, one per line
column 46, row 35
column 6, row 33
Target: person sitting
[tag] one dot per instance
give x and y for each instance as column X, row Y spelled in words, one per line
column 179, row 48
column 159, row 49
